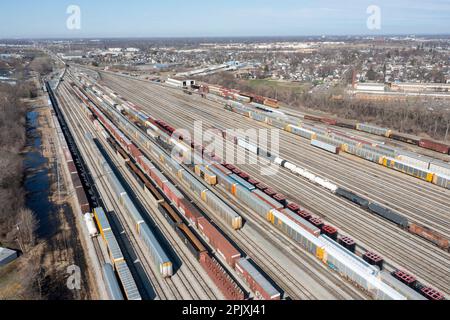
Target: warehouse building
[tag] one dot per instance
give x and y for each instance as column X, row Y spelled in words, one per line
column 180, row 83
column 377, row 87
column 7, row 256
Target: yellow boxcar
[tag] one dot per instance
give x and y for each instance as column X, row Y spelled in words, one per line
column 407, row 169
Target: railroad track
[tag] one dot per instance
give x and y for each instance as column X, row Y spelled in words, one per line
column 181, row 281
column 424, row 262
column 329, row 281
column 286, row 274
column 440, row 198
column 109, row 199
column 181, row 250
column 370, row 179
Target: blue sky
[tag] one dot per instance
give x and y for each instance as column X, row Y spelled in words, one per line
column 172, row 18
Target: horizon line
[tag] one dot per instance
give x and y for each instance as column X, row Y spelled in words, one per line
column 224, row 37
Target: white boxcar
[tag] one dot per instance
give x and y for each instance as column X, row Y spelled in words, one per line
column 415, row 160
column 248, row 146
column 296, row 232
column 374, row 129
column 441, row 180
column 442, row 168
column 358, row 270
column 302, row 132
column 325, row 146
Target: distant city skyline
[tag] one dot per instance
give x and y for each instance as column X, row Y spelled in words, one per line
column 232, row 18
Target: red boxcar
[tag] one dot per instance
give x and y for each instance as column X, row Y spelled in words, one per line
column 220, row 277
column 82, row 200
column 72, row 167
column 134, row 151
column 435, row 146
column 222, row 246
column 189, row 211
column 312, row 118
column 331, row 122
column 259, row 285
column 172, row 193
column 158, row 177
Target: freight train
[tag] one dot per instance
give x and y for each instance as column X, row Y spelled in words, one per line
column 385, row 132
column 123, row 272
column 158, row 255
column 247, row 98
column 436, row 172
column 243, row 190
column 117, row 259
column 396, row 218
column 70, row 153
column 236, row 95
column 225, row 249
column 170, row 211
column 243, row 196
column 356, row 272
column 372, row 207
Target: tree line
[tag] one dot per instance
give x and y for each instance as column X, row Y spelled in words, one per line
column 18, row 224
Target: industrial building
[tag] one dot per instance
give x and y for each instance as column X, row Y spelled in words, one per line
column 180, row 83
column 376, row 87
column 7, row 256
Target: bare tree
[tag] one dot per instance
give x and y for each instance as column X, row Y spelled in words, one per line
column 26, row 227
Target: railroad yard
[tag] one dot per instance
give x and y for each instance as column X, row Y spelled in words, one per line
column 348, row 211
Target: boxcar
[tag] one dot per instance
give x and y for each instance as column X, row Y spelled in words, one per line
column 220, row 244
column 389, row 214
column 156, row 252
column 111, row 283
column 258, row 284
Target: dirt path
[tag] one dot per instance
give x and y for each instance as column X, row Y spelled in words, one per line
column 66, row 247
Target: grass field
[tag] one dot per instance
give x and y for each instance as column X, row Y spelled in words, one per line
column 10, row 287
column 277, row 85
